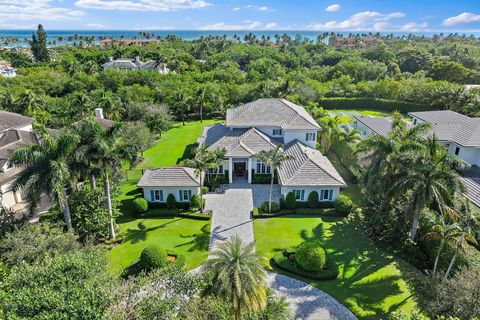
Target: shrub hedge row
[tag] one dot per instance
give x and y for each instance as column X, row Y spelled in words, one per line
column 330, row 272
column 258, row 213
column 373, row 103
column 206, row 215
column 263, row 178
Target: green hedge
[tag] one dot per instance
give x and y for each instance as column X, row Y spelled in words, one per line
column 207, row 215
column 280, row 260
column 373, row 103
column 258, row 213
column 263, row 178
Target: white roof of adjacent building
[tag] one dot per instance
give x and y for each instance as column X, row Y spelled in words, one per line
column 379, row 125
column 127, row 63
column 236, row 142
column 308, row 167
column 271, row 113
column 452, row 126
column 10, row 120
column 169, row 177
column 471, row 180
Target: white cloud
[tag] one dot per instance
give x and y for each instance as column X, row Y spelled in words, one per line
column 142, row 5
column 236, row 9
column 95, row 25
column 272, row 25
column 35, row 10
column 466, row 17
column 333, row 8
column 358, row 22
column 256, row 8
column 249, row 25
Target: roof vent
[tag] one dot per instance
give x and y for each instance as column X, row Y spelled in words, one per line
column 99, row 113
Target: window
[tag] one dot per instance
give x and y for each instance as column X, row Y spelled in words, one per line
column 262, row 168
column 156, row 195
column 414, row 121
column 299, row 194
column 310, row 136
column 220, row 168
column 185, row 195
column 457, row 151
column 326, row 195
column 277, row 132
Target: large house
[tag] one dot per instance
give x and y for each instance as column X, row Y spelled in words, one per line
column 263, row 125
column 15, row 130
column 136, row 64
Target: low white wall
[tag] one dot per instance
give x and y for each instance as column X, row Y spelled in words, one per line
column 467, row 154
column 335, row 190
column 167, row 191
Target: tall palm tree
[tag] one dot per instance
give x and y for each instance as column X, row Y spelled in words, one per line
column 183, row 103
column 430, row 177
column 443, row 229
column 202, row 162
column 31, row 102
column 47, row 170
column 330, row 129
column 237, row 275
column 275, row 159
column 466, row 222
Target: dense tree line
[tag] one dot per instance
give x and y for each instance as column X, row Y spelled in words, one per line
column 215, row 73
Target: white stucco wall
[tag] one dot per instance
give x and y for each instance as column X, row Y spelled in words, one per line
column 467, row 154
column 9, row 198
column 300, row 135
column 336, row 191
column 167, row 191
column 269, row 131
column 364, row 130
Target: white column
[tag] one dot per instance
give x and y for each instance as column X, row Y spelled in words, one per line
column 249, row 167
column 230, row 170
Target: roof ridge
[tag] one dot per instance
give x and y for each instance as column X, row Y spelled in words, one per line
column 188, row 173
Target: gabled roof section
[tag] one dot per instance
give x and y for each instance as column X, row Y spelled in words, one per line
column 379, row 125
column 452, row 126
column 308, row 167
column 237, row 142
column 271, row 113
column 10, row 120
column 169, row 177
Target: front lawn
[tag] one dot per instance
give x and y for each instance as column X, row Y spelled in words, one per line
column 186, row 236
column 372, row 283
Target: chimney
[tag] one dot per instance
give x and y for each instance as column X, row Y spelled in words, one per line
column 99, row 113
column 110, row 59
column 137, row 58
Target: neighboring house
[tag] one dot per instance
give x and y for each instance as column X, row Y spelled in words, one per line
column 125, row 42
column 461, row 134
column 157, row 184
column 7, row 71
column 15, row 131
column 136, row 64
column 262, row 125
column 368, row 125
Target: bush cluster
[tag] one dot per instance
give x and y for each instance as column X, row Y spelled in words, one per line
column 195, row 201
column 153, row 257
column 313, row 200
column 171, row 201
column 372, row 103
column 343, row 204
column 283, row 261
column 140, row 205
column 290, row 201
column 311, row 257
column 275, row 207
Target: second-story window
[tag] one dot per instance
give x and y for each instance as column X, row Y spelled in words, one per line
column 277, row 132
column 310, row 136
column 262, row 168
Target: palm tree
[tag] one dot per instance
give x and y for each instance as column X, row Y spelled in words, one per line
column 31, row 102
column 237, row 275
column 202, row 162
column 182, row 103
column 273, row 158
column 466, row 221
column 442, row 230
column 430, row 177
column 330, row 130
column 47, row 170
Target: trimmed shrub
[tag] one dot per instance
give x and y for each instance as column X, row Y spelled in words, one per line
column 183, row 205
column 171, row 201
column 195, row 201
column 290, row 201
column 282, row 261
column 206, row 215
column 153, row 257
column 204, row 190
column 275, row 207
column 313, row 200
column 180, row 259
column 140, row 205
column 311, row 256
column 343, row 204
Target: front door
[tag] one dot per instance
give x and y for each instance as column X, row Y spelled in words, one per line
column 240, row 169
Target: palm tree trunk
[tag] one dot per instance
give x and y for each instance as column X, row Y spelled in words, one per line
column 93, row 182
column 106, row 185
column 452, row 262
column 438, row 256
column 201, row 112
column 66, row 211
column 416, row 219
column 201, row 193
column 271, row 190
column 183, row 117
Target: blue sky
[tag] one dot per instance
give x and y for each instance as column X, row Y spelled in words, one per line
column 316, row 15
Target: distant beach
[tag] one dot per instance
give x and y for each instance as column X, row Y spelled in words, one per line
column 53, row 35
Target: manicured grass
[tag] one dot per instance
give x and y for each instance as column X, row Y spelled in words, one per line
column 186, row 236
column 372, row 283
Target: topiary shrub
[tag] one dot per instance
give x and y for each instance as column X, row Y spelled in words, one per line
column 140, row 206
column 311, row 256
column 171, row 201
column 343, row 204
column 195, row 201
column 313, row 200
column 290, row 201
column 275, row 207
column 204, row 190
column 153, row 257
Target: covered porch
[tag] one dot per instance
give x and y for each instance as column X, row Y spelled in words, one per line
column 240, row 169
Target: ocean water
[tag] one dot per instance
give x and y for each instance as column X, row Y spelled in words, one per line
column 184, row 34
